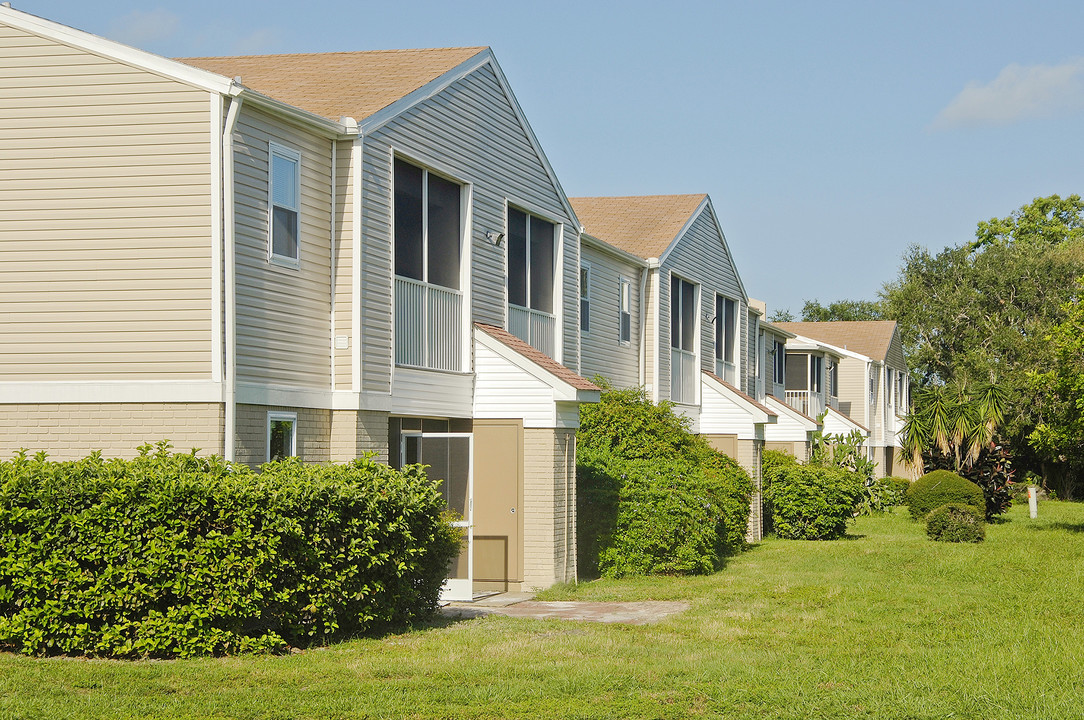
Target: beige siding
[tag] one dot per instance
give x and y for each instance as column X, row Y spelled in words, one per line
column 73, row 431
column 283, row 313
column 105, row 218
column 470, row 132
column 549, row 506
column 600, row 349
column 853, row 391
column 344, row 271
column 313, row 433
column 701, row 257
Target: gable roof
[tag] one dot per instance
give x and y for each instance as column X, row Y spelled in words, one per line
column 538, row 357
column 338, row 84
column 643, row 225
column 872, row 338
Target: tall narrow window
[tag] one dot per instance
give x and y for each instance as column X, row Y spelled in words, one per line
column 726, row 332
column 624, row 320
column 833, row 379
column 285, row 192
column 532, row 261
column 816, row 370
column 281, row 435
column 428, row 250
column 872, row 384
column 684, row 373
column 779, row 361
column 585, row 298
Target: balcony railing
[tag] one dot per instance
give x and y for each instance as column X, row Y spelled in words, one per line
column 684, row 376
column 534, row 327
column 727, row 371
column 428, row 325
column 804, row 401
column 833, row 402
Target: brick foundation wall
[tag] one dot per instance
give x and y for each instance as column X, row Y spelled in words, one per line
column 549, row 506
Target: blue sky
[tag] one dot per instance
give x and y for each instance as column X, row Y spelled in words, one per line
column 830, row 135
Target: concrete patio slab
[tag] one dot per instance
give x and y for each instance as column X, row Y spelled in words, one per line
column 630, row 613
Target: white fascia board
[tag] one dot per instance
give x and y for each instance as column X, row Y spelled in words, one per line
column 110, row 391
column 739, row 400
column 684, row 228
column 329, row 128
column 562, row 391
column 801, row 342
column 805, row 421
column 776, row 330
column 171, row 69
column 706, row 205
column 603, row 246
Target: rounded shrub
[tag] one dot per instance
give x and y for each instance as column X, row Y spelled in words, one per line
column 956, row 523
column 942, row 487
column 808, row 502
column 173, row 555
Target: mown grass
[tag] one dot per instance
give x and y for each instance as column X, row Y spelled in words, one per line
column 883, row 624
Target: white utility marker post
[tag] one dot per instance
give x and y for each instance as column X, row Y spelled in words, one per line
column 1033, row 501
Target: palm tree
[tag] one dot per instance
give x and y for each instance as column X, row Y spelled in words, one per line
column 955, row 421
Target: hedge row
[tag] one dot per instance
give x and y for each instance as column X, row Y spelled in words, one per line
column 176, row 555
column 808, row 502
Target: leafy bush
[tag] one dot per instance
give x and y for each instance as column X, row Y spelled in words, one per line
column 882, row 494
column 956, row 523
column 176, row 555
column 992, row 470
column 652, row 497
column 942, row 487
column 808, row 502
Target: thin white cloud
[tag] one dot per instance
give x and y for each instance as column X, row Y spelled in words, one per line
column 1017, row 93
column 141, row 28
column 259, row 41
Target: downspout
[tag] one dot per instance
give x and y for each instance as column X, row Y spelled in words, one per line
column 230, row 267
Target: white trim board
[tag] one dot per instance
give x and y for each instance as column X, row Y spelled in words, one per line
column 110, row 391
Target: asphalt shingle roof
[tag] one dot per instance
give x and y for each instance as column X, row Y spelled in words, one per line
column 643, row 225
column 537, row 357
column 871, row 338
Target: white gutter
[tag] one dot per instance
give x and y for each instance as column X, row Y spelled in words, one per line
column 230, row 265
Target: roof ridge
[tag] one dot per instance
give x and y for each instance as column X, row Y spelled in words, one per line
column 479, row 48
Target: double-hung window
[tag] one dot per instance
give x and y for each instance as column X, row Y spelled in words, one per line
column 428, row 247
column 726, row 333
column 684, row 374
column 532, row 260
column 624, row 313
column 285, row 205
column 585, row 298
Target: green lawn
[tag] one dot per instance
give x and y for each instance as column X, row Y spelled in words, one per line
column 883, row 624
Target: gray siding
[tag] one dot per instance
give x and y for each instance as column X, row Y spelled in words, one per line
column 601, row 351
column 283, row 314
column 701, row 257
column 469, row 131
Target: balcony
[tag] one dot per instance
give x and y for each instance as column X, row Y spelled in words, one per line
column 428, row 325
column 806, row 402
column 684, row 376
column 535, row 327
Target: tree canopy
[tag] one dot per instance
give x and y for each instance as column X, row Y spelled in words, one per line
column 813, row 311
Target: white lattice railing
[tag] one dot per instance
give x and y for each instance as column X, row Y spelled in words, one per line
column 804, row 401
column 534, row 327
column 684, row 376
column 428, row 322
column 727, row 371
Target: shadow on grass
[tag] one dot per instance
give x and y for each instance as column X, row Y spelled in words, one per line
column 1067, row 527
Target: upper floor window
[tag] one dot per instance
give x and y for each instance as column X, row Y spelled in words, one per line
column 872, row 384
column 726, row 333
column 779, row 362
column 532, row 262
column 624, row 318
column 816, row 373
column 285, row 196
column 833, row 379
column 682, row 314
column 428, row 213
column 428, row 226
column 585, row 298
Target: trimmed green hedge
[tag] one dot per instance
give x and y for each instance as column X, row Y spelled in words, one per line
column 942, row 487
column 808, row 502
column 651, row 496
column 956, row 523
column 175, row 555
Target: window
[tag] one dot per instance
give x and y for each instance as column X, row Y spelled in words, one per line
column 285, row 202
column 833, row 379
column 682, row 314
column 779, row 361
column 890, row 387
column 816, row 368
column 624, row 319
column 531, row 261
column 428, row 226
column 726, row 323
column 585, row 298
column 872, row 384
column 281, row 435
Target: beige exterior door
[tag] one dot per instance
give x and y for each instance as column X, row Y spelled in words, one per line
column 498, row 504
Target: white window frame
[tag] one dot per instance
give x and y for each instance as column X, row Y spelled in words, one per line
column 585, row 298
column 278, row 416
column 873, row 384
column 779, row 362
column 624, row 289
column 294, row 156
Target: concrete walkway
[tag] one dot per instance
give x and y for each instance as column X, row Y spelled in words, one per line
column 521, row 605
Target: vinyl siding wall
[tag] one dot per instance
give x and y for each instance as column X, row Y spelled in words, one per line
column 105, row 218
column 600, row 350
column 344, row 270
column 701, row 257
column 853, row 390
column 470, row 132
column 283, row 313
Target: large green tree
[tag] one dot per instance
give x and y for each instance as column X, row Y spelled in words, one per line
column 813, row 311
